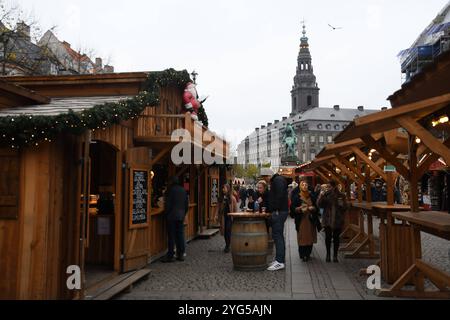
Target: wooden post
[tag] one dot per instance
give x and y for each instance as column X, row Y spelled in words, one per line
column 85, row 208
column 360, row 184
column 390, row 188
column 414, row 178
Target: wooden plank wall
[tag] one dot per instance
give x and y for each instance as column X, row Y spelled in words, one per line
column 152, row 124
column 35, row 244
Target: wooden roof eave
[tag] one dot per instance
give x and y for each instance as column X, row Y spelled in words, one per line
column 12, row 95
column 338, row 148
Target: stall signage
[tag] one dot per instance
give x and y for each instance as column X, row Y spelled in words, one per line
column 139, row 196
column 214, row 191
column 389, row 169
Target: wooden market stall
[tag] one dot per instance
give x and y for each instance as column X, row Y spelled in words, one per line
column 85, row 161
column 420, row 110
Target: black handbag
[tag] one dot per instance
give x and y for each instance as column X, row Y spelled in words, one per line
column 315, row 220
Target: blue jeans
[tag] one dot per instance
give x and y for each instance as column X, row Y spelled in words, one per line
column 175, row 230
column 278, row 222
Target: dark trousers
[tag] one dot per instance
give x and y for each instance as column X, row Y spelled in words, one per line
column 278, row 222
column 305, row 251
column 227, row 230
column 335, row 236
column 243, row 202
column 175, row 232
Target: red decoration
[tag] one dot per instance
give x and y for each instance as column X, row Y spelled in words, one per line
column 190, row 100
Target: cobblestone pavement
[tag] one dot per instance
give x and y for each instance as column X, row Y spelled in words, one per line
column 208, row 274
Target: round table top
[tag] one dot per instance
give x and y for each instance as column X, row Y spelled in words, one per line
column 249, row 215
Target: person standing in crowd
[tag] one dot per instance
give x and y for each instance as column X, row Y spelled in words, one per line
column 334, row 204
column 317, row 190
column 262, row 195
column 251, row 196
column 243, row 197
column 378, row 192
column 278, row 207
column 229, row 205
column 176, row 208
column 304, row 211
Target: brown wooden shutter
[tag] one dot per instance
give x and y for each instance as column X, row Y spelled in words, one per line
column 9, row 184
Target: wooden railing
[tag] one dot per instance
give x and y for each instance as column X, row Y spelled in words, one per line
column 151, row 127
column 158, row 125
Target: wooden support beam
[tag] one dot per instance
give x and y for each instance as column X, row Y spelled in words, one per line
column 369, row 162
column 368, row 184
column 323, row 176
column 182, row 171
column 415, row 129
column 350, row 165
column 330, row 174
column 380, row 163
column 414, row 178
column 334, row 174
column 429, row 160
column 351, row 175
column 160, row 155
column 387, row 155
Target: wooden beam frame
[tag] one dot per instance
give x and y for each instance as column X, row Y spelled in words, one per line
column 352, row 168
column 369, row 162
column 160, row 155
column 387, row 155
column 429, row 160
column 415, row 129
column 350, row 175
column 320, row 174
column 334, row 174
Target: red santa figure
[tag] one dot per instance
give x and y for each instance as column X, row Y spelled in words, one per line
column 190, row 100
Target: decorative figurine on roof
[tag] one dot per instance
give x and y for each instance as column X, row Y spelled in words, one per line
column 190, row 100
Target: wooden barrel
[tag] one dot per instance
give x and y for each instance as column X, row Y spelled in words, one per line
column 249, row 243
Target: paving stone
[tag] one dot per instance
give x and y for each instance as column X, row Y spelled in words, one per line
column 207, row 274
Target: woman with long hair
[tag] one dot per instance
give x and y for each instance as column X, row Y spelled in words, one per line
column 228, row 205
column 334, row 203
column 304, row 211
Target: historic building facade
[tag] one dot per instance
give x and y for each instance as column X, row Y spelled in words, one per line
column 315, row 126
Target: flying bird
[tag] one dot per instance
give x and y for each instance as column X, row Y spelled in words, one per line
column 334, row 28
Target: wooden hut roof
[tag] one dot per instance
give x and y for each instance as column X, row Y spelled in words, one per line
column 111, row 84
column 432, row 81
column 14, row 95
column 58, row 106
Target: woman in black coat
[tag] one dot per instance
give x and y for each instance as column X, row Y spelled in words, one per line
column 304, row 211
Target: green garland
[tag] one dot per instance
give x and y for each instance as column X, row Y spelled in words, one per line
column 28, row 130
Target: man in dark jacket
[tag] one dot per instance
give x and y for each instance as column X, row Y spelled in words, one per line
column 243, row 197
column 279, row 207
column 176, row 208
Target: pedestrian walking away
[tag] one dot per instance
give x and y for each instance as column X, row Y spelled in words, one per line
column 176, row 208
column 334, row 204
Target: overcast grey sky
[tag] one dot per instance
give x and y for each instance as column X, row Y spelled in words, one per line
column 245, row 51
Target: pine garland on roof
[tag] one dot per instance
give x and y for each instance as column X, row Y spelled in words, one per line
column 28, row 130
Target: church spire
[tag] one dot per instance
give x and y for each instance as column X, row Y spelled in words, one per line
column 305, row 92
